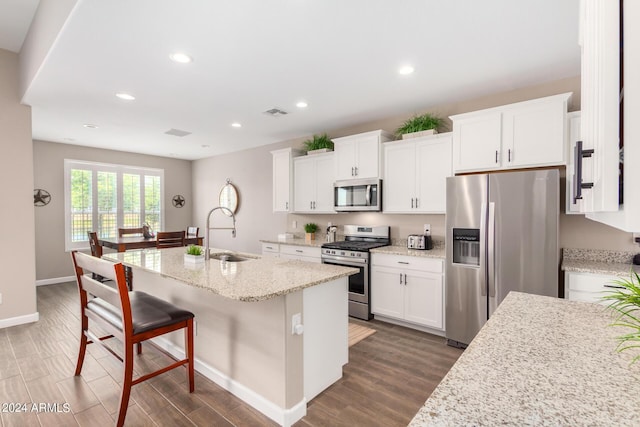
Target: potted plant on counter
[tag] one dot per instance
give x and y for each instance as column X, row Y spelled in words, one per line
column 310, row 231
column 625, row 300
column 318, row 144
column 194, row 255
column 417, row 126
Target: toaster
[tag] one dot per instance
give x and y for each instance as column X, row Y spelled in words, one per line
column 419, row 241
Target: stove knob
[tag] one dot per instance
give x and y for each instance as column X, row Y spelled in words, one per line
column 333, row 252
column 342, row 253
column 352, row 254
column 359, row 254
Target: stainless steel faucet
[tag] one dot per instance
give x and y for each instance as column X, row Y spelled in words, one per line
column 233, row 229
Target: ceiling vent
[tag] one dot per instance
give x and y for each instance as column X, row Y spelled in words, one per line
column 275, row 112
column 177, row 132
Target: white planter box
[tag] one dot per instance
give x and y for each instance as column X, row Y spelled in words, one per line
column 419, row 134
column 193, row 259
column 319, row 151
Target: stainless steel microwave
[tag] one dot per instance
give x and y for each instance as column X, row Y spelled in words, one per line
column 354, row 195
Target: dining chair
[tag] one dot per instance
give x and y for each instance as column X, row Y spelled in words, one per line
column 169, row 239
column 192, row 232
column 126, row 231
column 131, row 317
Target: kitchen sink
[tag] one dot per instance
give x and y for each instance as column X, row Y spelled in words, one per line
column 228, row 257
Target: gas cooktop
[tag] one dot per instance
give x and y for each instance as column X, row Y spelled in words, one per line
column 349, row 245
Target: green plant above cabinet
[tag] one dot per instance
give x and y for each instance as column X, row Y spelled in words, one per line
column 318, row 142
column 418, row 124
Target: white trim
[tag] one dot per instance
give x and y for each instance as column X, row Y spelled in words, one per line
column 55, row 280
column 432, row 331
column 284, row 417
column 19, row 320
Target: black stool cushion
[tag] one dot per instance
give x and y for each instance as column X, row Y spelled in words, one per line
column 147, row 312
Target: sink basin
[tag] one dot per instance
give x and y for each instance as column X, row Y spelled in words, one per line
column 223, row 256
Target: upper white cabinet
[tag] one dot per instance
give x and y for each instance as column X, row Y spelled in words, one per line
column 415, row 174
column 314, row 183
column 360, row 156
column 603, row 116
column 514, row 136
column 282, row 179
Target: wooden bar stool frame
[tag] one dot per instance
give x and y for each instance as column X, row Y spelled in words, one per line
column 169, row 239
column 85, row 265
column 125, row 231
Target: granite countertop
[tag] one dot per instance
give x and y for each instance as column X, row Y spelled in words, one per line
column 256, row 279
column 596, row 261
column 436, row 252
column 539, row 361
column 295, row 241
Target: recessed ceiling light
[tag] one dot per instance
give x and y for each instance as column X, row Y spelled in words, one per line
column 236, row 125
column 125, row 96
column 181, row 58
column 90, row 126
column 405, row 69
column 302, row 104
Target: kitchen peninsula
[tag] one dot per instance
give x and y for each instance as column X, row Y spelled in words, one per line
column 246, row 338
column 540, row 361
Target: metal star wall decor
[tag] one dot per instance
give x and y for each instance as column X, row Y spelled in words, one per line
column 41, row 197
column 178, row 201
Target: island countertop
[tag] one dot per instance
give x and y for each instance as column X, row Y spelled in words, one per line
column 256, row 279
column 540, row 361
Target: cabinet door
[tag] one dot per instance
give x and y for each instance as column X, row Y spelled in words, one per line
column 368, row 157
column 304, row 184
column 476, row 142
column 387, row 293
column 534, row 134
column 281, row 181
column 433, row 166
column 345, row 159
column 324, row 184
column 423, row 299
column 399, row 177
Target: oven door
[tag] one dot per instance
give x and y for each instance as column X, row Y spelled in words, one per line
column 358, row 283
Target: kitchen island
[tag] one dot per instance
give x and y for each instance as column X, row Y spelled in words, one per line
column 246, row 337
column 540, row 361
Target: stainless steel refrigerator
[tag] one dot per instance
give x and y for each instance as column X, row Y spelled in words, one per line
column 502, row 236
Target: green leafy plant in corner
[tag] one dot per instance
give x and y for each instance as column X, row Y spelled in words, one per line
column 318, row 142
column 310, row 228
column 194, row 250
column 419, row 123
column 626, row 302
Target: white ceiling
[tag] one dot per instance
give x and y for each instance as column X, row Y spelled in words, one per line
column 250, row 55
column 15, row 18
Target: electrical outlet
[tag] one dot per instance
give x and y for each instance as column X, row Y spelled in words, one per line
column 295, row 224
column 427, row 229
column 296, row 320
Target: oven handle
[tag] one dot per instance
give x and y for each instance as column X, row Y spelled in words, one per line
column 345, row 260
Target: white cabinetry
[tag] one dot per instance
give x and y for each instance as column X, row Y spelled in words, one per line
column 409, row 289
column 314, row 183
column 521, row 135
column 360, row 156
column 301, row 253
column 415, row 174
column 601, row 112
column 588, row 287
column 282, row 179
column 271, row 250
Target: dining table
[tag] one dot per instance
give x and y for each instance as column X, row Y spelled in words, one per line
column 126, row 243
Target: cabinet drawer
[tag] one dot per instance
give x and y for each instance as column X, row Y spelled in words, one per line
column 587, row 282
column 270, row 247
column 408, row 262
column 300, row 250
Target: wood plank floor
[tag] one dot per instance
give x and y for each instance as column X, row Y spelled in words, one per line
column 389, row 376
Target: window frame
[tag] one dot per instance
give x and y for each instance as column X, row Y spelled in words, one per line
column 120, row 170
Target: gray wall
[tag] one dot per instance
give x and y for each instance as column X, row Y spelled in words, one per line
column 48, row 161
column 17, row 258
column 251, row 171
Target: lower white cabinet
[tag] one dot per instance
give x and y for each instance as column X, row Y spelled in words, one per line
column 271, row 250
column 301, row 253
column 588, row 287
column 408, row 288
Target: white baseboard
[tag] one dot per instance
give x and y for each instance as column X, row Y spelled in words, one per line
column 410, row 325
column 55, row 280
column 19, row 320
column 284, row 417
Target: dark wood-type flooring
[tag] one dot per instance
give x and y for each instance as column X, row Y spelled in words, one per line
column 389, row 376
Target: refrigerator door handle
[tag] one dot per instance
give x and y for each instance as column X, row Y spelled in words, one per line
column 483, row 236
column 491, row 250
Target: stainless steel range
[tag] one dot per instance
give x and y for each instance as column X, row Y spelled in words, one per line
column 354, row 252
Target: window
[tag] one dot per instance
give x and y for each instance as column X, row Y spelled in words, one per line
column 102, row 197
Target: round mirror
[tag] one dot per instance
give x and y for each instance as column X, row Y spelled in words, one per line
column 228, row 198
